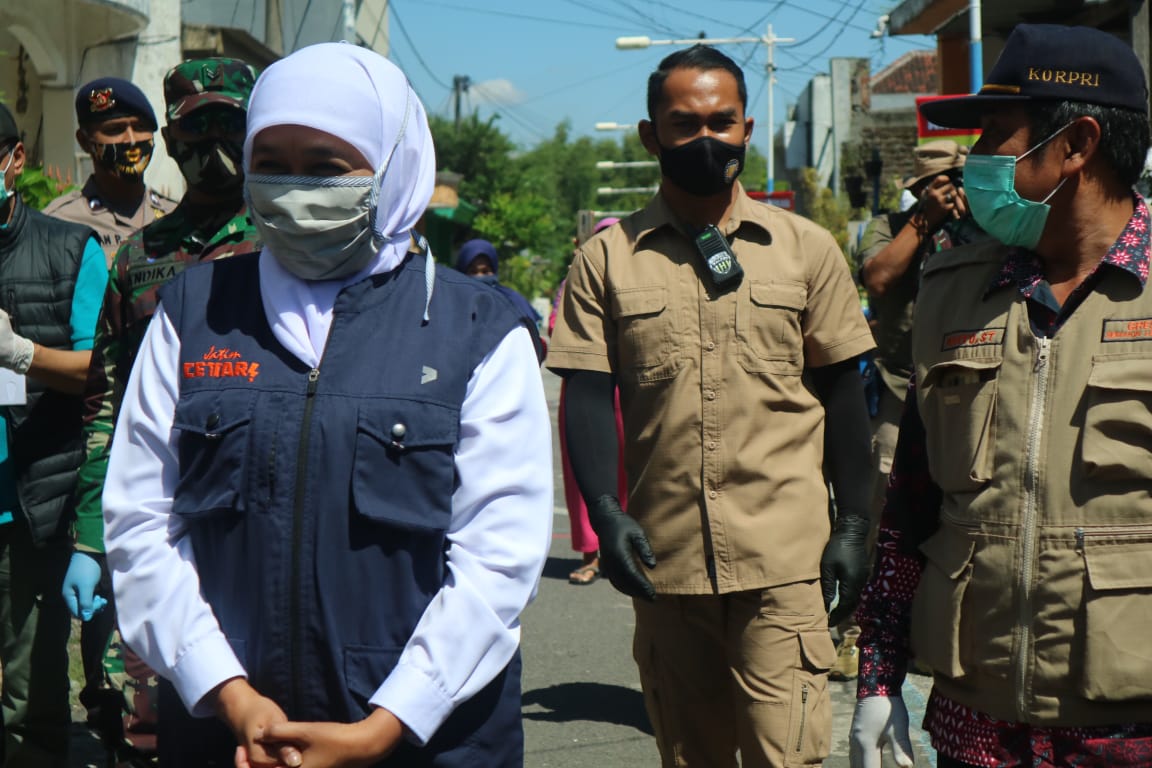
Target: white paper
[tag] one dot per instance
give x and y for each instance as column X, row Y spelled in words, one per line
column 12, row 388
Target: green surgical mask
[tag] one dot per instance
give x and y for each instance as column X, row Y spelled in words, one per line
column 990, row 186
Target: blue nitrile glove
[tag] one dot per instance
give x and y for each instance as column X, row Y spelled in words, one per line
column 80, row 586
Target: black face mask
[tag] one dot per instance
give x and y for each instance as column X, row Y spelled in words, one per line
column 704, row 166
column 125, row 160
column 212, row 166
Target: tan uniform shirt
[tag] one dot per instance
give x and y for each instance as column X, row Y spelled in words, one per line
column 723, row 440
column 84, row 206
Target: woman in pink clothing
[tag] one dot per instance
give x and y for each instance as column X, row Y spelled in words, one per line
column 584, row 538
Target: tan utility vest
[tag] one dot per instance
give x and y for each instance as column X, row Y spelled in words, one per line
column 1035, row 604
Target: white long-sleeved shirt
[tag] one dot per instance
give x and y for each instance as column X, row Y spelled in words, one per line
column 499, row 535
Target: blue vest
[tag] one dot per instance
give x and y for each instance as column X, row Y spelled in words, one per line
column 317, row 500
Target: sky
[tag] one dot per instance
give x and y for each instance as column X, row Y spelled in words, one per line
column 538, row 62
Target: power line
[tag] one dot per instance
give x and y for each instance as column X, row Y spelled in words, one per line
column 300, row 26
column 835, row 39
column 415, row 50
column 504, row 111
column 525, row 17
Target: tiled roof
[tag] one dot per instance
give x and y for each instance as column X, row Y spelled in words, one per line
column 914, row 72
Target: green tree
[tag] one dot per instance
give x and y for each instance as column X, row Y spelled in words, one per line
column 816, row 202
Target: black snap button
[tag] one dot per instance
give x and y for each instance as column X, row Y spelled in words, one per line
column 213, row 421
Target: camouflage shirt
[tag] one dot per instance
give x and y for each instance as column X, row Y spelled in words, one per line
column 145, row 261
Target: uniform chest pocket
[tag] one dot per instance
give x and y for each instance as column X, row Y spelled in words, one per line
column 768, row 326
column 646, row 330
column 213, row 452
column 959, row 413
column 1117, row 438
column 404, row 470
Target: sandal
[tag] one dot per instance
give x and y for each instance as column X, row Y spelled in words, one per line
column 584, row 575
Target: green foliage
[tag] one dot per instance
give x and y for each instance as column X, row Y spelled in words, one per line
column 816, row 202
column 38, row 188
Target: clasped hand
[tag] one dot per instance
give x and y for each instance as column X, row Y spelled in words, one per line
column 267, row 739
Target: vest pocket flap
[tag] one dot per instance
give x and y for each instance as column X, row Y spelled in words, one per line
column 640, row 301
column 786, row 294
column 816, row 645
column 212, row 414
column 960, row 371
column 1119, row 566
column 366, row 668
column 1121, row 373
column 949, row 552
column 404, row 424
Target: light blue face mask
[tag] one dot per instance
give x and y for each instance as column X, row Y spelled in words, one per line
column 990, row 186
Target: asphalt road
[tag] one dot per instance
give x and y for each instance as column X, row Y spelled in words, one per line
column 582, row 700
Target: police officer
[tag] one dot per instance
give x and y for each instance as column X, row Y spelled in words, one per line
column 723, row 438
column 207, row 102
column 1014, row 547
column 116, row 130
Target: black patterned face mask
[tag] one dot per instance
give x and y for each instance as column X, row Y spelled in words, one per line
column 704, row 166
column 212, row 165
column 126, row 160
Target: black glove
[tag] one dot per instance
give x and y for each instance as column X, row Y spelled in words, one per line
column 845, row 560
column 622, row 540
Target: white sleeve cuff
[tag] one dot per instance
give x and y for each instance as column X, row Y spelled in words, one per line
column 203, row 667
column 416, row 701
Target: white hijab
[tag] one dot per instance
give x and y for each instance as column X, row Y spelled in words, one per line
column 361, row 97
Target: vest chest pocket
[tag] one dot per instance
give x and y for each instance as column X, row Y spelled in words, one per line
column 958, row 407
column 1117, row 439
column 768, row 326
column 404, row 470
column 1117, row 619
column 213, row 450
column 645, row 329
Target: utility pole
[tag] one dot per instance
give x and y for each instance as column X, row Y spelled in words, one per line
column 348, row 11
column 770, row 40
column 273, row 27
column 975, row 47
column 460, row 86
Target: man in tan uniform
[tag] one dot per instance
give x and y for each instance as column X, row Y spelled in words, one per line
column 1015, row 556
column 728, row 356
column 892, row 252
column 116, row 129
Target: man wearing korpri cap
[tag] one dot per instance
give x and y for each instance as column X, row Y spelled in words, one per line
column 52, row 274
column 207, row 102
column 892, row 252
column 116, row 129
column 1015, row 544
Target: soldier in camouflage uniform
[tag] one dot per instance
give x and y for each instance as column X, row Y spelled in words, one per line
column 207, row 111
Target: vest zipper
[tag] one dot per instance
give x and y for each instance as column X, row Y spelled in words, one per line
column 297, row 670
column 803, row 716
column 1028, row 531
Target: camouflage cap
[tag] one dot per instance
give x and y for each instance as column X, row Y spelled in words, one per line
column 199, row 82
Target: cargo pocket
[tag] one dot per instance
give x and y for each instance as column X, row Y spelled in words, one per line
column 365, row 669
column 937, row 608
column 646, row 350
column 959, row 414
column 404, row 470
column 212, row 449
column 810, row 720
column 768, row 326
column 1117, row 439
column 1117, row 622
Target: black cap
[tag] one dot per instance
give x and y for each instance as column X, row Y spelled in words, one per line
column 1050, row 62
column 8, row 128
column 107, row 97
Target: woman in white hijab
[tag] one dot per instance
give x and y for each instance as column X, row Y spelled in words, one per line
column 327, row 508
